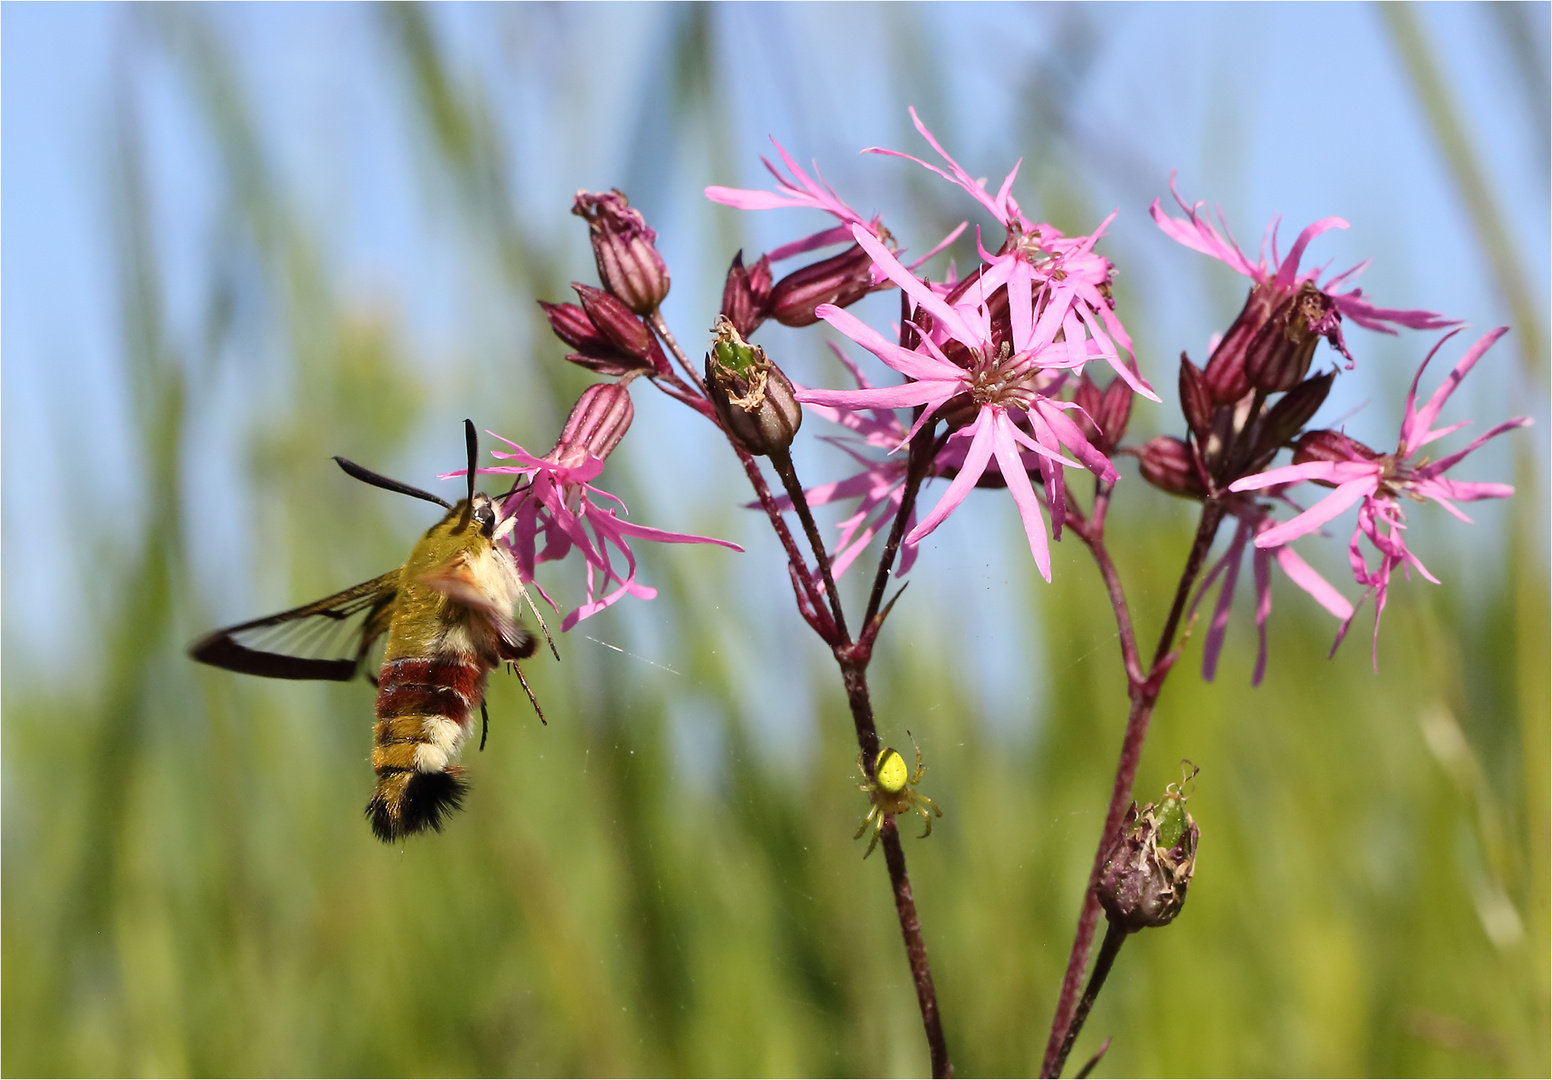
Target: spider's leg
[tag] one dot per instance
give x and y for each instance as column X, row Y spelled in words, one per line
column 922, row 810
column 930, row 803
column 920, row 768
column 873, row 843
column 872, row 810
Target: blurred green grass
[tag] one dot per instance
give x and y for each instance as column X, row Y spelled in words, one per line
column 189, row 888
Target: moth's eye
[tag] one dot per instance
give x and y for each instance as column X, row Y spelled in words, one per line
column 485, row 518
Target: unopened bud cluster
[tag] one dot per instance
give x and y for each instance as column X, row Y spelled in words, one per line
column 607, row 336
column 752, row 397
column 1234, row 431
column 1150, row 862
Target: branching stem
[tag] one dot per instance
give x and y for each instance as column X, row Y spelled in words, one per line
column 852, row 657
column 1143, row 689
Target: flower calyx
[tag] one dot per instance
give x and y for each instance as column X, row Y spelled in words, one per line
column 746, row 294
column 1150, row 862
column 841, row 280
column 752, row 397
column 625, row 249
column 597, row 423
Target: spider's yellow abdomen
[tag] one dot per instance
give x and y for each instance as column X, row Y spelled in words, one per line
column 891, row 771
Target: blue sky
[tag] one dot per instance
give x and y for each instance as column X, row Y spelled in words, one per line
column 1298, row 110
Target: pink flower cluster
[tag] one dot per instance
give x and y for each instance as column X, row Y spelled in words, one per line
column 1377, row 482
column 987, row 354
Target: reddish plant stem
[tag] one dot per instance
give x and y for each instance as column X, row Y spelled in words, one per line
column 789, row 545
column 782, row 463
column 924, row 449
column 1144, row 693
column 1114, row 938
column 660, row 328
column 916, row 950
column 852, row 658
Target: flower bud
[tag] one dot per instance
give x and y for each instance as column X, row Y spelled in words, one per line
column 597, row 423
column 1107, row 412
column 1279, row 355
column 620, row 327
column 625, row 250
column 1196, row 399
column 752, row 397
column 1169, row 465
column 841, row 280
column 1150, row 862
column 1287, row 418
column 1325, row 445
column 594, row 351
column 746, row 293
column 1225, row 377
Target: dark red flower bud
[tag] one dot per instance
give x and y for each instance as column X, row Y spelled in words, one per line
column 620, row 327
column 1150, row 863
column 1279, row 355
column 841, row 280
column 1115, row 410
column 1196, row 400
column 752, row 397
column 1225, row 376
column 1087, row 396
column 597, row 423
column 594, row 351
column 1107, row 412
column 1287, row 418
column 746, row 293
column 624, row 248
column 1169, row 465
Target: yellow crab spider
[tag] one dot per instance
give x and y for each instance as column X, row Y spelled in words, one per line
column 892, row 791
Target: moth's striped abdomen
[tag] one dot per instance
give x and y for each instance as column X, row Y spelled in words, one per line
column 423, row 717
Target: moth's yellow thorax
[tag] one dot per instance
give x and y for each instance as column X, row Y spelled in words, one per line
column 420, row 621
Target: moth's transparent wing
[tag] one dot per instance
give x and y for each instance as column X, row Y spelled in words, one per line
column 326, row 639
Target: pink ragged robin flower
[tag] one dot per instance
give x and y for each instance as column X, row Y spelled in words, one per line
column 1002, row 381
column 555, row 508
column 1252, row 519
column 1376, row 482
column 1270, row 345
column 1039, row 265
column 796, row 189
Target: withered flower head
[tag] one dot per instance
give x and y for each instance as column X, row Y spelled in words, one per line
column 1150, row 861
column 752, row 396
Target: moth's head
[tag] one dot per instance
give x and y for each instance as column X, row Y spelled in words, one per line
column 470, row 524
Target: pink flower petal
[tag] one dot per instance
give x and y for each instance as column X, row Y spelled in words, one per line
column 1339, row 500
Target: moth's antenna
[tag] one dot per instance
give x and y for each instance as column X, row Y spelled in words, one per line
column 367, row 476
column 472, row 439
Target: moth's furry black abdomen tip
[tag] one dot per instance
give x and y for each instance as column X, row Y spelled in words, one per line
column 408, row 803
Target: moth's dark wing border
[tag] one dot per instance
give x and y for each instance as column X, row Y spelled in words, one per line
column 326, row 639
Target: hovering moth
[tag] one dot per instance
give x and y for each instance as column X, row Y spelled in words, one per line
column 449, row 614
